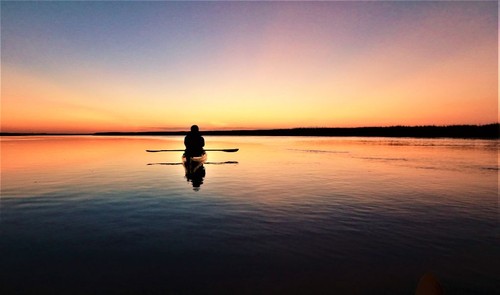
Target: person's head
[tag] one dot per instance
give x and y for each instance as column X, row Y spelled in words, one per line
column 195, row 128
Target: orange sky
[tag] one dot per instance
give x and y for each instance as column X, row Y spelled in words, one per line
column 89, row 67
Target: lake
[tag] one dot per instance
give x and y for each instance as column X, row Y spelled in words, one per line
column 283, row 215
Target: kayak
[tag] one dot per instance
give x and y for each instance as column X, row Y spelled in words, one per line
column 195, row 172
column 192, row 164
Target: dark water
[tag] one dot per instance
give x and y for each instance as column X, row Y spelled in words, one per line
column 293, row 215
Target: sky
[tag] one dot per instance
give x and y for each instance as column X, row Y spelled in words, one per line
column 159, row 66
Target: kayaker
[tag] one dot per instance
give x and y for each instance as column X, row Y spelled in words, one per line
column 194, row 142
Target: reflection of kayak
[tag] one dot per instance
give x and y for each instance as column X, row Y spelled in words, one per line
column 192, row 164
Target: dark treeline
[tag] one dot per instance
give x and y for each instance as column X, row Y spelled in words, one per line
column 456, row 131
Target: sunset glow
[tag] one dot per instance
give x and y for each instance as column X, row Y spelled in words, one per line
column 154, row 66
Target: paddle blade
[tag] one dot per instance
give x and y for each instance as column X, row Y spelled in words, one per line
column 156, row 151
column 222, row 150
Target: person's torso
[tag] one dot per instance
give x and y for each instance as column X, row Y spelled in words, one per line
column 194, row 142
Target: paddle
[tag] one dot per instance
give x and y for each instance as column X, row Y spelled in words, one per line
column 209, row 163
column 207, row 150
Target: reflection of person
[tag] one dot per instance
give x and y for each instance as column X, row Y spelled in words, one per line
column 196, row 178
column 194, row 142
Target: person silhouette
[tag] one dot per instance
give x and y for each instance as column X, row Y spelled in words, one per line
column 194, row 143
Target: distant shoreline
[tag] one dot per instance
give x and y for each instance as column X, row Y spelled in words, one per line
column 489, row 131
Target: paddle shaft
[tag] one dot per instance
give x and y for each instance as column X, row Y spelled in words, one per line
column 207, row 150
column 206, row 163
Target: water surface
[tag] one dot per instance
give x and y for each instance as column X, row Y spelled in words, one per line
column 294, row 215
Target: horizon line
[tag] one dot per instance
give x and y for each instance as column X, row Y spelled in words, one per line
column 256, row 131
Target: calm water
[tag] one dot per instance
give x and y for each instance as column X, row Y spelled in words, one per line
column 294, row 215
